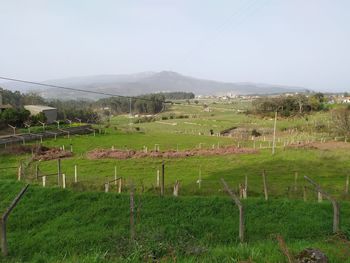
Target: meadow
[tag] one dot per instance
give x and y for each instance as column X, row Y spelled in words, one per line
column 84, row 224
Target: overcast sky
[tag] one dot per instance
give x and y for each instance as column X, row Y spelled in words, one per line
column 293, row 42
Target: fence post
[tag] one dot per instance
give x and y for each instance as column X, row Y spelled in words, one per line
column 158, row 178
column 120, row 185
column 319, row 197
column 19, row 176
column 106, row 187
column 265, row 185
column 240, row 207
column 63, row 181
column 245, row 189
column 4, row 217
column 336, row 210
column 176, row 188
column 347, row 184
column 44, row 181
column 200, row 177
column 162, row 185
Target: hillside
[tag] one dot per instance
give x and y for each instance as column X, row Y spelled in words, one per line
column 148, row 82
column 54, row 225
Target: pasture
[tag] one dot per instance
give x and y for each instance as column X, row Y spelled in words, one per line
column 82, row 223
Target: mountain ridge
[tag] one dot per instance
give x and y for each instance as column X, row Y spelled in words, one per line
column 147, row 82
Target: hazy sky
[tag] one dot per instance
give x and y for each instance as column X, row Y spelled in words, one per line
column 294, row 42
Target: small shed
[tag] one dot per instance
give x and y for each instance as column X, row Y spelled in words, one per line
column 50, row 112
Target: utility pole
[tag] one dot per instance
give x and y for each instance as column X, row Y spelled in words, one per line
column 130, row 107
column 274, row 134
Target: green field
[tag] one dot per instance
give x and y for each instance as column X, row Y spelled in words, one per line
column 84, row 224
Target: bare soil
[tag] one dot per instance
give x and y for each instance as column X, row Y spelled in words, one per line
column 40, row 152
column 126, row 154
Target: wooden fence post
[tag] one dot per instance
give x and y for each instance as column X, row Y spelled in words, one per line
column 176, row 188
column 162, row 185
column 106, row 187
column 245, row 189
column 19, row 176
column 4, row 217
column 240, row 207
column 75, row 173
column 120, row 185
column 265, row 185
column 63, row 181
column 336, row 210
column 158, row 184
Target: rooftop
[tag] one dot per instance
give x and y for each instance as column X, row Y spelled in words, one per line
column 38, row 107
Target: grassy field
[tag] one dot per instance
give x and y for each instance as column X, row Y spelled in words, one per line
column 83, row 224
column 54, row 225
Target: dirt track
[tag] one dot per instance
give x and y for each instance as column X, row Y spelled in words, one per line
column 124, row 154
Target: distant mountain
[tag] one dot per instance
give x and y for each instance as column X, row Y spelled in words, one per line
column 146, row 82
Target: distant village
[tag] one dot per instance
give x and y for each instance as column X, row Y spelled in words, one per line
column 332, row 98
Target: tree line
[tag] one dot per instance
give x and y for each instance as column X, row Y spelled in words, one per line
column 289, row 105
column 85, row 110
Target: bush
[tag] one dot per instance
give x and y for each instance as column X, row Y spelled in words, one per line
column 255, row 133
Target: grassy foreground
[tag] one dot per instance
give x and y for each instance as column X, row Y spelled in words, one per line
column 55, row 225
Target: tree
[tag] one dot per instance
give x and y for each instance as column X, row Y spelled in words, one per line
column 15, row 117
column 341, row 120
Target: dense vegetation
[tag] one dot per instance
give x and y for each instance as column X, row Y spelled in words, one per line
column 86, row 111
column 289, row 105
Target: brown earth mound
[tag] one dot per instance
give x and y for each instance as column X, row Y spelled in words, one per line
column 40, row 152
column 51, row 154
column 124, row 154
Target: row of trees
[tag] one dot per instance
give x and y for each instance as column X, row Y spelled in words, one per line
column 87, row 111
column 18, row 117
column 150, row 104
column 289, row 105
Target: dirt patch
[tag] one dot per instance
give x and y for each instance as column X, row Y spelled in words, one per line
column 332, row 145
column 126, row 154
column 39, row 152
column 51, row 154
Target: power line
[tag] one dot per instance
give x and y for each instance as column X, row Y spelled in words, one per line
column 95, row 92
column 74, row 89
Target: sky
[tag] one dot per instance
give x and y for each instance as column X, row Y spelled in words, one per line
column 302, row 43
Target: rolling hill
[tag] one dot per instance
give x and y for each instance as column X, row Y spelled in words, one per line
column 148, row 82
